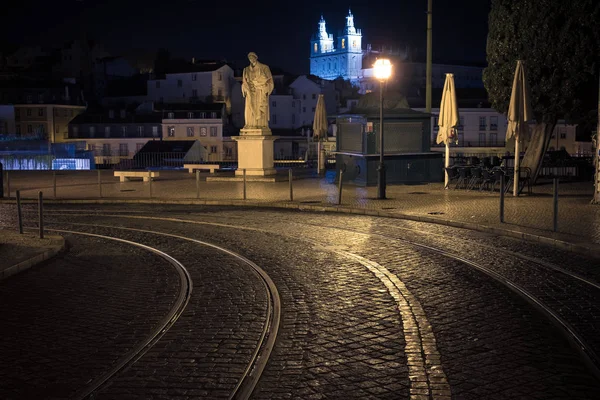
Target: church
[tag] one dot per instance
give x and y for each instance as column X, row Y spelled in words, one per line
column 344, row 59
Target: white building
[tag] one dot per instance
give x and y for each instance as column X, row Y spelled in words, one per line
column 7, row 120
column 193, row 82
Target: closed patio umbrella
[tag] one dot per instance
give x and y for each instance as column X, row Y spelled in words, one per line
column 320, row 130
column 519, row 112
column 448, row 120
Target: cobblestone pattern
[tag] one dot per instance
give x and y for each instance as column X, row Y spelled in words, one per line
column 206, row 351
column 341, row 334
column 69, row 320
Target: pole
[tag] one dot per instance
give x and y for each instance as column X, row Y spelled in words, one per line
column 501, row 198
column 7, row 185
column 340, row 187
column 429, row 57
column 197, row 184
column 446, row 165
column 54, row 182
column 381, row 168
column 99, row 184
column 41, row 213
column 291, row 187
column 319, row 156
column 555, row 195
column 244, row 183
column 150, row 185
column 596, row 155
column 19, row 213
column 517, row 166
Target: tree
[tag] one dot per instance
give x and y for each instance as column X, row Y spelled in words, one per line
column 560, row 44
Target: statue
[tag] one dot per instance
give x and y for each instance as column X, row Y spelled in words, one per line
column 257, row 85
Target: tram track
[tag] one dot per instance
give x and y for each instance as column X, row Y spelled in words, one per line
column 259, row 359
column 575, row 338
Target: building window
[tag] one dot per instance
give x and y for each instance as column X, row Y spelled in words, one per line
column 171, row 115
column 493, row 139
column 179, row 83
column 155, row 131
column 106, row 149
column 29, row 98
column 202, row 115
column 29, row 112
column 190, row 115
column 202, row 131
column 274, row 103
column 40, row 98
column 274, row 118
column 481, row 138
column 123, row 150
column 107, row 131
column 220, row 76
column 343, row 43
column 316, row 48
column 171, row 131
column 562, row 132
column 124, row 130
column 194, row 93
column 140, row 130
column 18, row 129
column 158, row 84
column 190, row 131
column 220, row 93
column 213, row 131
column 213, row 149
column 213, row 115
column 303, row 109
column 92, row 130
column 482, row 123
column 354, row 43
column 111, row 114
column 41, row 129
column 40, row 112
column 314, row 96
column 493, row 123
column 194, row 77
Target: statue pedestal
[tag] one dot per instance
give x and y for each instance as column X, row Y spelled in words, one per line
column 255, row 152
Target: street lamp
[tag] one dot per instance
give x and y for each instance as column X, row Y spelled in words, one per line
column 383, row 70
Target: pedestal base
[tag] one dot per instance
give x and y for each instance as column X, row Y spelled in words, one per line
column 255, row 152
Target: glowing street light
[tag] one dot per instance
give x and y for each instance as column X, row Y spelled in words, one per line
column 383, row 70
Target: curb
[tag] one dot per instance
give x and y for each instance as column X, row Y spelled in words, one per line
column 35, row 260
column 590, row 250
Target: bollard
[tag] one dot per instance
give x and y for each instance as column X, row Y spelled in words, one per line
column 291, row 186
column 99, row 184
column 19, row 213
column 502, row 198
column 244, row 183
column 7, row 185
column 150, row 185
column 340, row 188
column 54, row 182
column 555, row 195
column 41, row 213
column 197, row 184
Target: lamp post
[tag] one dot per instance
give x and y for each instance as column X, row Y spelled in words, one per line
column 383, row 70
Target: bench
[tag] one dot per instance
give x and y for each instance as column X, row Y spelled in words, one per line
column 210, row 167
column 145, row 175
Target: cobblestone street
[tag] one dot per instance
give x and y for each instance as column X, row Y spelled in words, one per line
column 371, row 308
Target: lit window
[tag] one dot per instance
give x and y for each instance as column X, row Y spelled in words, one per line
column 171, row 131
column 354, row 43
column 202, row 131
column 213, row 149
column 316, row 48
column 155, row 131
column 190, row 131
column 343, row 43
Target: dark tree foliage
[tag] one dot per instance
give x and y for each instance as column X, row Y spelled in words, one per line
column 559, row 40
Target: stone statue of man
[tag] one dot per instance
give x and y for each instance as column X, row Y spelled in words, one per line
column 257, row 85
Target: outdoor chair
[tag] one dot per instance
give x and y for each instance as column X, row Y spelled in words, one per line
column 452, row 176
column 487, row 179
column 476, row 178
column 464, row 175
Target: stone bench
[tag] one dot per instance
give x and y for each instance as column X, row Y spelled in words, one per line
column 210, row 167
column 145, row 175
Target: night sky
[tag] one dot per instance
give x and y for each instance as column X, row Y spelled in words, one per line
column 278, row 31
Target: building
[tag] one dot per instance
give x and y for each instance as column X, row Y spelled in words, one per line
column 200, row 122
column 7, row 120
column 114, row 135
column 344, row 60
column 191, row 82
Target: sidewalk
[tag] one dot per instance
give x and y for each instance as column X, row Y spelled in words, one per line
column 527, row 216
column 20, row 252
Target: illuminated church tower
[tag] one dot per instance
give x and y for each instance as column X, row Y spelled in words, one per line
column 345, row 61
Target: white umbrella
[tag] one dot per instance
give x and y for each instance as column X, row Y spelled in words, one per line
column 448, row 119
column 519, row 112
column 320, row 129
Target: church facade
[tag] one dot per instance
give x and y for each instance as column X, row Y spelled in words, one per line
column 331, row 59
